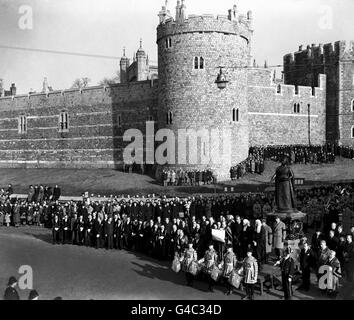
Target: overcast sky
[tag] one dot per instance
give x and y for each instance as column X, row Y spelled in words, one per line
column 104, row 27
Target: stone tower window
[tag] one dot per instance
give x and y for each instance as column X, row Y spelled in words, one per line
column 296, row 107
column 352, row 132
column 168, row 43
column 352, row 105
column 196, row 63
column 199, row 63
column 63, row 122
column 235, row 115
column 22, row 124
column 119, row 120
column 169, row 118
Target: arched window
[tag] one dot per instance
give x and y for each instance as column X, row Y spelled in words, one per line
column 169, row 118
column 352, row 105
column 201, row 63
column 295, row 108
column 352, row 132
column 196, row 63
column 298, row 108
column 170, row 42
column 235, row 115
column 63, row 121
column 119, row 120
column 22, row 124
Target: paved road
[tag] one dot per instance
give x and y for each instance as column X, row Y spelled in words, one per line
column 84, row 273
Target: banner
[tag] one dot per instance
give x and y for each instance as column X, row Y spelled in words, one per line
column 218, row 235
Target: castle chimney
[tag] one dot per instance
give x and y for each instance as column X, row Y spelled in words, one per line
column 13, row 89
column 124, row 64
column 45, row 88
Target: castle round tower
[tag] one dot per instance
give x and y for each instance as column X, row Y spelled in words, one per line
column 190, row 52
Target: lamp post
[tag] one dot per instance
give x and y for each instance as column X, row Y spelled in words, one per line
column 221, row 79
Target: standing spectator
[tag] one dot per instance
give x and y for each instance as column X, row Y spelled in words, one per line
column 287, row 266
column 279, row 236
column 333, row 262
column 10, row 292
column 56, row 193
column 268, row 239
column 307, row 261
column 259, row 242
column 349, row 258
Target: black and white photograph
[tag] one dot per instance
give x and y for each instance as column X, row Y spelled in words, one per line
column 177, row 150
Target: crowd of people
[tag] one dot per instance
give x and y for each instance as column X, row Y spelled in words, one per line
column 167, row 229
column 297, row 154
column 182, row 177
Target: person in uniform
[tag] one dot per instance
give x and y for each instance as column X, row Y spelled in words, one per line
column 10, row 292
column 230, row 263
column 210, row 261
column 33, row 295
column 287, row 266
column 249, row 270
column 189, row 256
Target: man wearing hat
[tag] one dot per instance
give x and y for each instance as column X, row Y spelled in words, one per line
column 33, row 295
column 189, row 258
column 10, row 292
column 230, row 263
column 210, row 260
column 249, row 270
column 287, row 266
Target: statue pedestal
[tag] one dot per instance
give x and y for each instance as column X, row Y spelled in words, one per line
column 286, row 215
column 293, row 221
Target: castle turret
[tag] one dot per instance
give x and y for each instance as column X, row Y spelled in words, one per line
column 164, row 14
column 124, row 64
column 190, row 97
column 142, row 67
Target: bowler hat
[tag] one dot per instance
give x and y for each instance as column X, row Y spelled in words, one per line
column 33, row 295
column 12, row 280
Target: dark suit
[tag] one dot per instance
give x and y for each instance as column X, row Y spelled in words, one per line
column 307, row 261
column 11, row 294
column 108, row 232
column 287, row 272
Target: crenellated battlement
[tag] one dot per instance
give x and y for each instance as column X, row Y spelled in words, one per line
column 230, row 24
column 339, row 50
column 92, row 93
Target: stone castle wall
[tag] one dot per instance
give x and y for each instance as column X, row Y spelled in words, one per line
column 94, row 139
column 272, row 120
column 336, row 62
